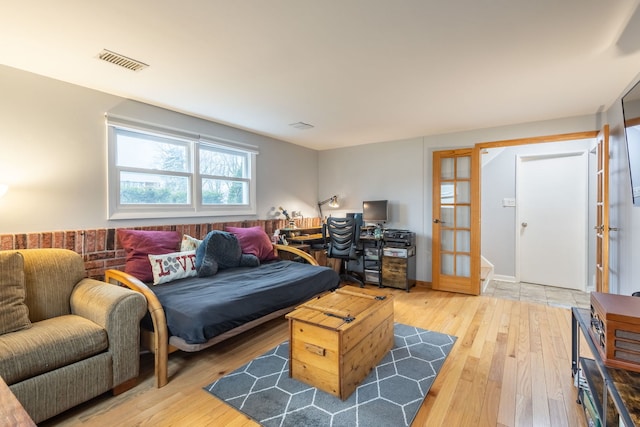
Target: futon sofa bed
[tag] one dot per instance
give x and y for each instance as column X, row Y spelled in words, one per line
column 235, row 281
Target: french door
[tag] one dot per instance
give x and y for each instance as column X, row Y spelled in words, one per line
column 602, row 226
column 456, row 221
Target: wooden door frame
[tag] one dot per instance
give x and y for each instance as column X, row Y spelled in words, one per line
column 602, row 210
column 564, row 137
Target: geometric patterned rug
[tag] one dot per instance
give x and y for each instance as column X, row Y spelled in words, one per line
column 390, row 396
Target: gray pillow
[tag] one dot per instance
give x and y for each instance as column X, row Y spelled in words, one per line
column 14, row 314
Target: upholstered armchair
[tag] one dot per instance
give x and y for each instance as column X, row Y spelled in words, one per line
column 64, row 338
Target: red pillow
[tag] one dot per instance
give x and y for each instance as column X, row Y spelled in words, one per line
column 139, row 244
column 254, row 240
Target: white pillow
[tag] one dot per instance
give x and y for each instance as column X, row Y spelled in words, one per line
column 173, row 266
column 189, row 243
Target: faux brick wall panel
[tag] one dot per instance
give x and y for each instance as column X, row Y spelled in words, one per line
column 101, row 250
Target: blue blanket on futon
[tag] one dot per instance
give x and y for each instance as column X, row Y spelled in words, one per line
column 200, row 308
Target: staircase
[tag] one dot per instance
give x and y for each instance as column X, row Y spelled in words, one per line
column 486, row 273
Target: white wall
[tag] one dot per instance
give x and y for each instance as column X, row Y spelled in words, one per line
column 391, row 170
column 53, row 144
column 625, row 243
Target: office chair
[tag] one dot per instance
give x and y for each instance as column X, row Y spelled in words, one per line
column 343, row 241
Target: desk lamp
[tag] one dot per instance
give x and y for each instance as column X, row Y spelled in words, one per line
column 333, row 202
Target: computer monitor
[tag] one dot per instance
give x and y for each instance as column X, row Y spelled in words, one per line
column 375, row 211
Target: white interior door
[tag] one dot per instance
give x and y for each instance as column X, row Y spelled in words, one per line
column 552, row 200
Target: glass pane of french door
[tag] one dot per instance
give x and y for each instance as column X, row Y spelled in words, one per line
column 455, row 208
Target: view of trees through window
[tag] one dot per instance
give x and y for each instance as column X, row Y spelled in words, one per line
column 156, row 170
column 217, row 164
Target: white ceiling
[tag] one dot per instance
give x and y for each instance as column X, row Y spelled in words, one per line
column 360, row 71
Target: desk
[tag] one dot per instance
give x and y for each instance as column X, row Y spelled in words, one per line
column 11, row 411
column 615, row 391
column 310, row 240
column 302, row 235
column 305, row 238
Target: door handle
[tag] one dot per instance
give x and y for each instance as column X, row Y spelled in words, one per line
column 437, row 221
column 614, row 229
column 599, row 227
column 524, row 224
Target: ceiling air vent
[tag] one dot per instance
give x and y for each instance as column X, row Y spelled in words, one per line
column 301, row 125
column 121, row 60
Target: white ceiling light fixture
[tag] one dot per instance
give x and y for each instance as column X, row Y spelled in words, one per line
column 121, row 60
column 301, row 125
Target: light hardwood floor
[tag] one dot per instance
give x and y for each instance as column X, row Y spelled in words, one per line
column 511, row 366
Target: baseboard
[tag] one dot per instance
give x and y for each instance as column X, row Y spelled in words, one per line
column 502, row 278
column 423, row 284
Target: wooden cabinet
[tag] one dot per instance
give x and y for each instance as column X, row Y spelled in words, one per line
column 399, row 267
column 609, row 395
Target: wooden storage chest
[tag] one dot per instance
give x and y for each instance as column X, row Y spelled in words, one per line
column 615, row 329
column 336, row 340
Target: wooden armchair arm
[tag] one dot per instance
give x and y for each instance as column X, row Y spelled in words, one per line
column 160, row 341
column 302, row 254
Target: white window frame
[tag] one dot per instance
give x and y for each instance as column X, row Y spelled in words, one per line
column 195, row 207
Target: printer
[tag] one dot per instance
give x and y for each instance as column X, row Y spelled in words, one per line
column 399, row 238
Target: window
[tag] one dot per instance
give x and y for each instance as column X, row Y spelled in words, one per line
column 159, row 173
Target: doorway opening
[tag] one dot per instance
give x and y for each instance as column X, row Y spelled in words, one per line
column 503, row 233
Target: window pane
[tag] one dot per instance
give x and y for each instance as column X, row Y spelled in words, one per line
column 446, row 264
column 148, row 152
column 463, row 169
column 220, row 162
column 446, row 215
column 222, row 192
column 463, row 241
column 463, row 192
column 143, row 188
column 447, row 170
column 463, row 216
column 463, row 265
column 446, row 193
column 446, row 240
